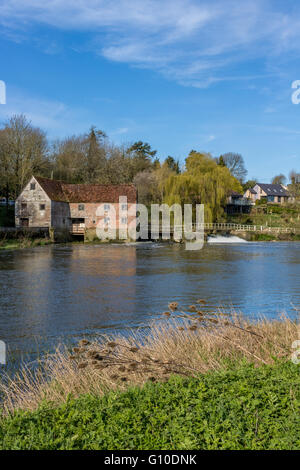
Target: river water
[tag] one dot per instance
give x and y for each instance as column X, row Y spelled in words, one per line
column 64, row 292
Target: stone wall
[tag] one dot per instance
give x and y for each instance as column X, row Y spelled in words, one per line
column 34, row 205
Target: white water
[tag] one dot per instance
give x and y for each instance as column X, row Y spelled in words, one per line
column 225, row 239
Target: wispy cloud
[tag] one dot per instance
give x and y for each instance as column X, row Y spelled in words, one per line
column 120, row 131
column 54, row 116
column 195, row 43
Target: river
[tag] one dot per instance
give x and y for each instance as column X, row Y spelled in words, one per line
column 65, row 292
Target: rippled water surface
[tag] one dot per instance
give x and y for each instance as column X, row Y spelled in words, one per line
column 63, row 292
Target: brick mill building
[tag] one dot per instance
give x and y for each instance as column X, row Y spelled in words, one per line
column 74, row 208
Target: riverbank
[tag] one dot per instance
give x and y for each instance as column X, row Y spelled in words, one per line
column 18, row 244
column 268, row 237
column 195, row 381
column 235, row 408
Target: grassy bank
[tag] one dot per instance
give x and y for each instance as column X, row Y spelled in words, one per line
column 237, row 408
column 268, row 237
column 187, row 343
column 19, row 243
column 195, row 381
column 270, row 216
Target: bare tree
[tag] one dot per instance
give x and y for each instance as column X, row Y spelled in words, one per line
column 279, row 179
column 236, row 165
column 25, row 149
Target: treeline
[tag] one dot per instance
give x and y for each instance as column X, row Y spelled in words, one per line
column 87, row 158
column 93, row 158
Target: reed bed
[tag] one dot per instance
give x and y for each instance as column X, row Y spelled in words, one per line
column 185, row 342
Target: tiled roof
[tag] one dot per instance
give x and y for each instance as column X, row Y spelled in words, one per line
column 65, row 192
column 274, row 189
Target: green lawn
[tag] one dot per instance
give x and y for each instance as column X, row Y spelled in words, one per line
column 245, row 408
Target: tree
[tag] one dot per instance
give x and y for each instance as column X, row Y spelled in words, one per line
column 294, row 187
column 172, row 164
column 146, row 185
column 294, row 177
column 118, row 165
column 279, row 179
column 141, row 156
column 68, row 158
column 25, row 152
column 203, row 182
column 235, row 164
column 249, row 184
column 221, row 161
column 95, row 161
column 6, row 169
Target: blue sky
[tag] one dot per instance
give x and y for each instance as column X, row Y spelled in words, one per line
column 179, row 74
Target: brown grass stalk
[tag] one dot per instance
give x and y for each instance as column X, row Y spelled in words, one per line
column 187, row 347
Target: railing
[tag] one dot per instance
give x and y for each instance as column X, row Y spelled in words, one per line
column 240, row 202
column 226, row 226
column 77, row 229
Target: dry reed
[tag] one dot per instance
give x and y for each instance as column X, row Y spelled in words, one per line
column 183, row 343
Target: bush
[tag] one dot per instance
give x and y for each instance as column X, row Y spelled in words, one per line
column 238, row 408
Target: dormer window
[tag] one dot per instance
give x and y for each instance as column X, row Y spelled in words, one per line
column 32, row 186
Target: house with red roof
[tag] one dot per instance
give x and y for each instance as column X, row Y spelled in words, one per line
column 75, row 208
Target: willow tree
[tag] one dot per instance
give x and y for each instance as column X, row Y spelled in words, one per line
column 203, row 182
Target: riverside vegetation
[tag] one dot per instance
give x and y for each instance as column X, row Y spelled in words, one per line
column 195, row 381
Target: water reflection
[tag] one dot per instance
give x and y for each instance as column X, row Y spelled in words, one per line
column 61, row 292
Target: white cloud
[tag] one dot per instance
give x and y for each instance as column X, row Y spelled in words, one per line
column 196, row 44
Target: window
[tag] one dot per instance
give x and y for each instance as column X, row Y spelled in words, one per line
column 106, row 207
column 81, row 207
column 23, row 205
column 124, row 220
column 42, row 207
column 106, row 220
column 124, row 207
column 32, row 186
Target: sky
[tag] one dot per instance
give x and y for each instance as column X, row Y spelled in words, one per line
column 212, row 76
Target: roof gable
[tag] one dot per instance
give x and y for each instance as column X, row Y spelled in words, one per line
column 273, row 189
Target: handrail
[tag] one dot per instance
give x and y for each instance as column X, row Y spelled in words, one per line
column 227, row 226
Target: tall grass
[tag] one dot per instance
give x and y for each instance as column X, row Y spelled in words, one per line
column 185, row 343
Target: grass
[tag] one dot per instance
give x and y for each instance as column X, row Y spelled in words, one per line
column 24, row 242
column 266, row 237
column 196, row 380
column 270, row 215
column 240, row 408
column 186, row 343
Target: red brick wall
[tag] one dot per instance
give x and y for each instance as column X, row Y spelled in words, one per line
column 90, row 216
